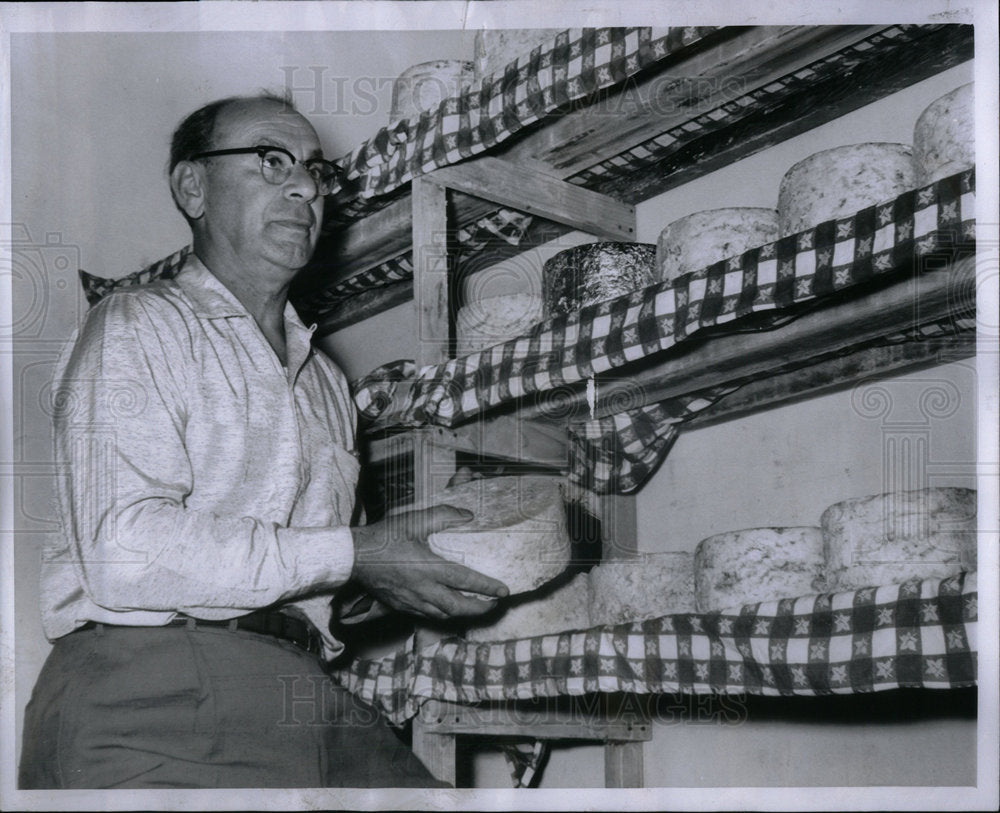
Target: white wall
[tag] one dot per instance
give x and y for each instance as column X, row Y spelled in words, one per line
column 94, row 113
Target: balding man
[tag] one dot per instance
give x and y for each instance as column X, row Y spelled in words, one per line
column 207, row 506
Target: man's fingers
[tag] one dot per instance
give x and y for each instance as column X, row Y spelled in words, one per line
column 460, row 577
column 453, row 603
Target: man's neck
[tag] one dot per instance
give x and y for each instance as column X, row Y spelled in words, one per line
column 263, row 295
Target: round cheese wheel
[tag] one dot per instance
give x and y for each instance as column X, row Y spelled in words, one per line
column 890, row 538
column 944, row 138
column 703, row 238
column 593, row 272
column 518, row 535
column 495, row 48
column 757, row 564
column 550, row 609
column 489, row 321
column 838, row 182
column 651, row 585
column 421, row 88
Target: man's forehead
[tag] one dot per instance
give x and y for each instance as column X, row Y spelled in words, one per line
column 263, row 118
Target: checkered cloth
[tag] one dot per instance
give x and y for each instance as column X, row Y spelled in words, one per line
column 919, row 634
column 95, row 288
column 575, row 64
column 539, row 70
column 921, row 229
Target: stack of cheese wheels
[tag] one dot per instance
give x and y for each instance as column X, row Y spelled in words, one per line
column 495, row 49
column 593, row 272
column 703, row 238
column 648, row 586
column 757, row 564
column 518, row 534
column 838, row 182
column 944, row 138
column 555, row 607
column 421, row 88
column 488, row 321
column 890, row 538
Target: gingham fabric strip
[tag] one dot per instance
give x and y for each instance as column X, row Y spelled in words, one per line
column 649, row 154
column 354, row 204
column 575, row 64
column 918, row 229
column 95, row 288
column 919, row 634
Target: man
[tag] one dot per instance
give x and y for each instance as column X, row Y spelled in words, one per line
column 211, row 471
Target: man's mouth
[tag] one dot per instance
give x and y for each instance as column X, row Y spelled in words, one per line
column 300, row 225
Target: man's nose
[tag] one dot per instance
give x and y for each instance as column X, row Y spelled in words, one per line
column 300, row 184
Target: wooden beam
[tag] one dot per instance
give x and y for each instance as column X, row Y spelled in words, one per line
column 623, row 765
column 430, row 271
column 364, row 306
column 381, row 236
column 489, row 719
column 835, row 374
column 737, row 61
column 508, row 184
column 773, row 123
column 435, row 750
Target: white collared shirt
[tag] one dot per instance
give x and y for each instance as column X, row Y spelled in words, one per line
column 197, row 475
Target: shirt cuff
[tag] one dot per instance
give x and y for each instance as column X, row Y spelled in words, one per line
column 319, row 557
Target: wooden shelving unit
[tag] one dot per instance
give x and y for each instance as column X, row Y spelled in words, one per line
column 736, row 93
column 544, row 172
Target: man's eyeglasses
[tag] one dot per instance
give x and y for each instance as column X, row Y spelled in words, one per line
column 276, row 165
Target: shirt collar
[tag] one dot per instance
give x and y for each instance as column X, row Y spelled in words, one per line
column 213, row 300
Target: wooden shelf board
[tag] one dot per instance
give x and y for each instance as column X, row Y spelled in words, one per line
column 826, row 349
column 734, row 357
column 831, row 375
column 439, row 717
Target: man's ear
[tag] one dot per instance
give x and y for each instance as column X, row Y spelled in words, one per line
column 187, row 184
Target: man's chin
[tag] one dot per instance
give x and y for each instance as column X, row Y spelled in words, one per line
column 292, row 255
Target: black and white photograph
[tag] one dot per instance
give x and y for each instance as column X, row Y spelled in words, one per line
column 496, row 405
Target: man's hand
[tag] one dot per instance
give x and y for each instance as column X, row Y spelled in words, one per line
column 394, row 563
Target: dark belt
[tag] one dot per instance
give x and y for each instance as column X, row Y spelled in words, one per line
column 262, row 622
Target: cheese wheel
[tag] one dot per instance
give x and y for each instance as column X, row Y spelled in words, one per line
column 553, row 608
column 651, row 585
column 838, row 182
column 495, row 48
column 489, row 321
column 757, row 564
column 944, row 137
column 421, row 88
column 593, row 272
column 703, row 238
column 518, row 535
column 890, row 538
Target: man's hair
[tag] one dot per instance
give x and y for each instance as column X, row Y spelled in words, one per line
column 194, row 134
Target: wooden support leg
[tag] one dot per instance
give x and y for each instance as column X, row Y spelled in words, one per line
column 436, row 751
column 623, row 765
column 618, row 526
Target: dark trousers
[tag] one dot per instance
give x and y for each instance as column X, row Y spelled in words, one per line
column 172, row 707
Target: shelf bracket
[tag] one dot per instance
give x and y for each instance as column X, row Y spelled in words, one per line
column 499, row 181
